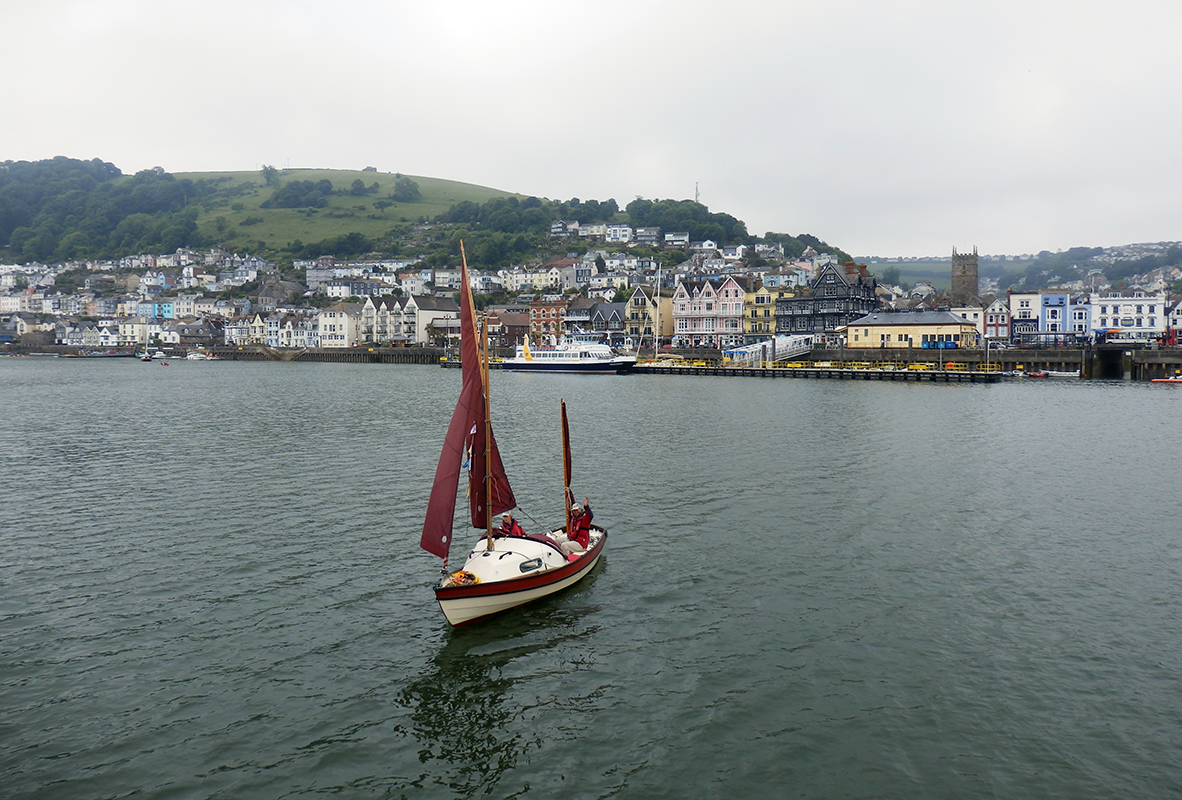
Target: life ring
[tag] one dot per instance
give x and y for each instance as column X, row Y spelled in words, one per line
column 464, row 578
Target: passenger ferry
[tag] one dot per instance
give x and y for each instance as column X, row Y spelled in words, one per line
column 569, row 356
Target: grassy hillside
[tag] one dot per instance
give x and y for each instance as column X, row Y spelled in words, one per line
column 234, row 216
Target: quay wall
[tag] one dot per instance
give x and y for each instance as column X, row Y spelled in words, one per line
column 1110, row 362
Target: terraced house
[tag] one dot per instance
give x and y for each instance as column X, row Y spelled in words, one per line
column 759, row 313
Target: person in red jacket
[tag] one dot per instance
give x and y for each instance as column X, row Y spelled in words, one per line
column 580, row 524
column 576, row 541
column 509, row 526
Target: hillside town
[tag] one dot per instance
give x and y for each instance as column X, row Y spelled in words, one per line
column 714, row 300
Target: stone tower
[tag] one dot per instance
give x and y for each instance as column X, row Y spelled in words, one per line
column 964, row 274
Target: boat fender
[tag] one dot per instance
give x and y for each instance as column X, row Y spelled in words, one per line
column 464, row 578
column 531, row 565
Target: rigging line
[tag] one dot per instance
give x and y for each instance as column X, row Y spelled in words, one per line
column 525, row 513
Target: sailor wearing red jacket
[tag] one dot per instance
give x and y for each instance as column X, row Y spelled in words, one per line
column 509, row 526
column 580, row 524
column 576, row 541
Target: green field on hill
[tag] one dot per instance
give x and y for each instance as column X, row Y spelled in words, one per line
column 234, row 214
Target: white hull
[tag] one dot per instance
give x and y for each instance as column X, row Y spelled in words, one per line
column 464, row 604
column 576, row 356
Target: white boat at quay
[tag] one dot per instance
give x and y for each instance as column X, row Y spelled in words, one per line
column 570, row 355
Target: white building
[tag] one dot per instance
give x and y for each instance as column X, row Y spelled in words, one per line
column 1129, row 315
column 336, row 326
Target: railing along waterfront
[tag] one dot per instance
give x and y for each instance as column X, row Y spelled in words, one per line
column 917, row 371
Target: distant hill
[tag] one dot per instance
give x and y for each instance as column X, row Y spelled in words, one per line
column 234, row 213
column 63, row 209
column 1076, row 269
column 938, row 271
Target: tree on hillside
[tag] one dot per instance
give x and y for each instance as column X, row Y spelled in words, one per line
column 406, row 190
column 300, row 194
column 270, row 175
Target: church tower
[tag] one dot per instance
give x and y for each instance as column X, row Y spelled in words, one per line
column 964, row 274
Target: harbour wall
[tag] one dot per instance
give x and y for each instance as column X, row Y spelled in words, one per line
column 1110, row 362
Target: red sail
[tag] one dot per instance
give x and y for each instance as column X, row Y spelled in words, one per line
column 568, row 496
column 465, row 437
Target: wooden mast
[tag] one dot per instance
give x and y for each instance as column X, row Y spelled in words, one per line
column 567, row 495
column 482, row 352
column 488, row 515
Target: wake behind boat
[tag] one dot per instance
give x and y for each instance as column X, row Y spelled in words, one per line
column 570, row 355
column 503, row 572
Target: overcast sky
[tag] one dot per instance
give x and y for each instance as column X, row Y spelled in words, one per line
column 885, row 128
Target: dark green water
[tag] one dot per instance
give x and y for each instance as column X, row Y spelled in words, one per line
column 211, row 587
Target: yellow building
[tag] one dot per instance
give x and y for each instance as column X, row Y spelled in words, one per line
column 759, row 313
column 916, row 329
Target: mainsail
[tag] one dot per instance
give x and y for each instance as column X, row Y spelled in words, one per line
column 466, row 437
column 568, row 497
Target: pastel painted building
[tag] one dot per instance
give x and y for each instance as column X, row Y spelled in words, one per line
column 759, row 313
column 708, row 313
column 935, row 330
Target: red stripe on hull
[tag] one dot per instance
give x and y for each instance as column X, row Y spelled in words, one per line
column 523, row 584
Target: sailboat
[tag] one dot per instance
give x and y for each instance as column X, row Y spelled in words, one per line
column 499, row 573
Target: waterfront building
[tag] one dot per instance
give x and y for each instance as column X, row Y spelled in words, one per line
column 236, row 331
column 421, row 311
column 709, row 313
column 1175, row 317
column 608, row 319
column 911, row 329
column 837, row 295
column 1128, row 315
column 546, row 317
column 1047, row 315
column 650, row 311
column 973, row 311
column 507, row 328
column 257, row 329
column 337, row 325
column 759, row 313
column 997, row 321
